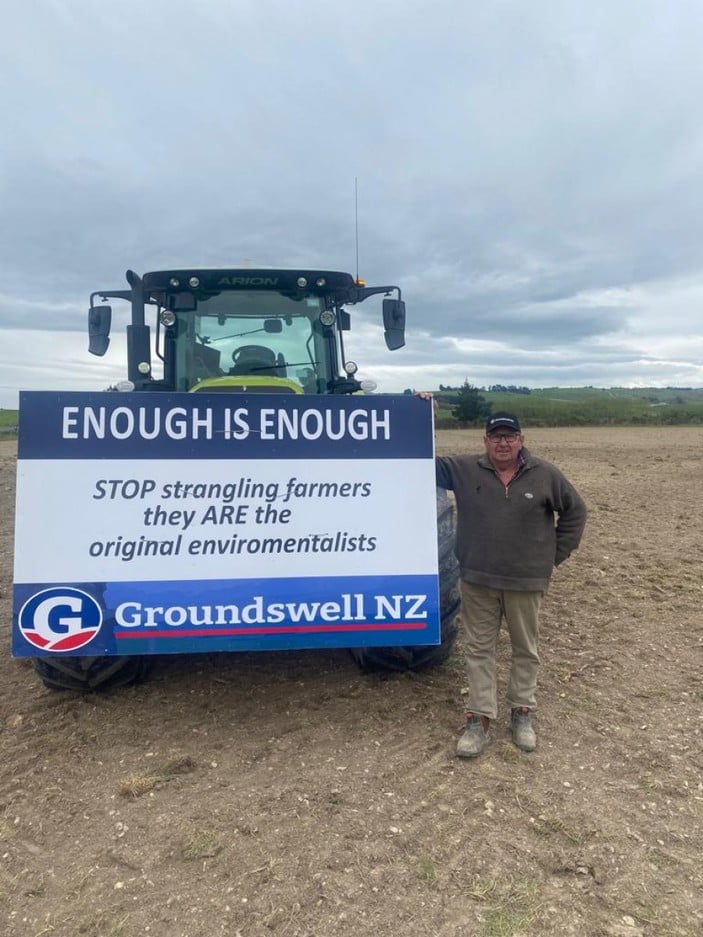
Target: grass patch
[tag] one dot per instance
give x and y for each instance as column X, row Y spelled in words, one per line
column 661, row 860
column 429, row 871
column 201, row 845
column 544, row 826
column 510, row 753
column 7, row 827
column 136, row 785
column 104, row 925
column 512, row 905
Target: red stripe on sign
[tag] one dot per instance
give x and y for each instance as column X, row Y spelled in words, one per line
column 35, row 638
column 288, row 629
column 74, row 640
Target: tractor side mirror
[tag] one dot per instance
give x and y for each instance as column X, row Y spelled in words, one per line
column 99, row 322
column 394, row 323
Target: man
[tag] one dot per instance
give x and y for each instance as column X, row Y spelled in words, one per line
column 517, row 518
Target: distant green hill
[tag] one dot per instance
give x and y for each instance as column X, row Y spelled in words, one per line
column 591, row 406
column 8, row 423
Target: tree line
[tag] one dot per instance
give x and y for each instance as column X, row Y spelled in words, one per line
column 469, row 406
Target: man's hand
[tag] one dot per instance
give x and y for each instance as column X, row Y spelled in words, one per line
column 427, row 395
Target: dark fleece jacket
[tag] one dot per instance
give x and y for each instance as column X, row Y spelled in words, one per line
column 511, row 537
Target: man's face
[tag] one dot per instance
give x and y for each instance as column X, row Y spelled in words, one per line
column 503, row 446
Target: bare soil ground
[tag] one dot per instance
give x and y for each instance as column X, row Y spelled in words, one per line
column 289, row 794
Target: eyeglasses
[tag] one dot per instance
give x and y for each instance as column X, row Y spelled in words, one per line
column 504, row 437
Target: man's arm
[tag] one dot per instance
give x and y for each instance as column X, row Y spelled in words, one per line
column 444, row 478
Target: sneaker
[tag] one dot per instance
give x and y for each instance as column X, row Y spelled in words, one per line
column 521, row 727
column 475, row 736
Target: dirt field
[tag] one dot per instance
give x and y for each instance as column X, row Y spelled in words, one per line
column 289, row 794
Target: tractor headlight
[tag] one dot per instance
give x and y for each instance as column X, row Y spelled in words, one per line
column 327, row 317
column 351, row 367
column 167, row 317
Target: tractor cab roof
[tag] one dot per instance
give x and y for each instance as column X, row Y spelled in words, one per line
column 319, row 282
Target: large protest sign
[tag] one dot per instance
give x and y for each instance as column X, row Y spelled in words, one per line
column 153, row 523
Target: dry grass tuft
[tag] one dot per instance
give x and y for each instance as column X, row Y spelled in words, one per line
column 136, row 785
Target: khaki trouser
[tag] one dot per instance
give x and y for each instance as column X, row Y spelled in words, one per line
column 482, row 610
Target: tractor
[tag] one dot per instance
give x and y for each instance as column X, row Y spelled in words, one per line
column 250, row 331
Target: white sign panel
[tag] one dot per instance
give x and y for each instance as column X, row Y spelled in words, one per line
column 149, row 523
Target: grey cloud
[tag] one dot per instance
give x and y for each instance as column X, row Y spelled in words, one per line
column 514, row 162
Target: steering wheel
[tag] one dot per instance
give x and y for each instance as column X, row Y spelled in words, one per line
column 252, row 358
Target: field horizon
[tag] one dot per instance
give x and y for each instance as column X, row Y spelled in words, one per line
column 548, row 406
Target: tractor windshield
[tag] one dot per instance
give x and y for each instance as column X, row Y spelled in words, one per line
column 254, row 338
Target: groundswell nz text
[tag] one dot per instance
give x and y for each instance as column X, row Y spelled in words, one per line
column 230, row 422
column 349, row 607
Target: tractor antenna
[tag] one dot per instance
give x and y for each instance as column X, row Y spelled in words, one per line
column 356, row 224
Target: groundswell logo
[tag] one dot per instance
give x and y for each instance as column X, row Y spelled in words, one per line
column 60, row 619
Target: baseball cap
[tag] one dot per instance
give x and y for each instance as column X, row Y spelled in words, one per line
column 502, row 420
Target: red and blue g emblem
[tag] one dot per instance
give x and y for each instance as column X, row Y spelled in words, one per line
column 60, row 619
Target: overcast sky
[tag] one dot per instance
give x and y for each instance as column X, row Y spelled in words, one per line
column 529, row 174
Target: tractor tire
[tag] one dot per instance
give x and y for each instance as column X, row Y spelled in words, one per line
column 91, row 674
column 422, row 657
